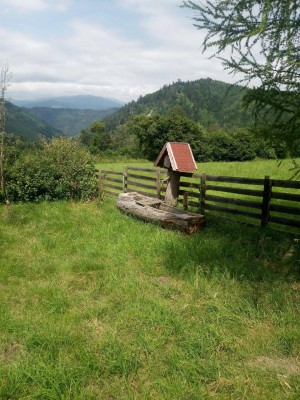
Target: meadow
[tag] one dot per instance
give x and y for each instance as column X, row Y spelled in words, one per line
column 98, row 305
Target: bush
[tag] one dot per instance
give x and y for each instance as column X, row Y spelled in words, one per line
column 62, row 169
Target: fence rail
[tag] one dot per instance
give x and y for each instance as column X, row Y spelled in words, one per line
column 265, row 201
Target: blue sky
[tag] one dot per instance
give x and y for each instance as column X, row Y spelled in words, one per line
column 113, row 48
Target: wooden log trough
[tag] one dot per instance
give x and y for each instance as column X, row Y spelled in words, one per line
column 155, row 210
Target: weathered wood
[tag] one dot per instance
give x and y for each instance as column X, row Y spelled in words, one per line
column 237, row 202
column 168, row 217
column 286, row 184
column 191, row 194
column 285, row 209
column 158, row 185
column 125, row 180
column 203, row 188
column 285, row 221
column 267, row 195
column 145, row 169
column 233, row 179
column 120, row 188
column 248, row 192
column 109, row 179
column 229, row 210
column 103, row 171
column 189, row 185
column 141, row 185
column 141, row 177
column 286, row 196
column 148, row 194
column 172, row 191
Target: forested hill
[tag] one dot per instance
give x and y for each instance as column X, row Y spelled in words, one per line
column 21, row 123
column 212, row 103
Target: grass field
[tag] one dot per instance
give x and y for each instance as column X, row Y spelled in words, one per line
column 97, row 305
column 252, row 169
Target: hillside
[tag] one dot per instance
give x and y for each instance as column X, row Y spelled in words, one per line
column 80, row 102
column 21, row 123
column 210, row 102
column 70, row 121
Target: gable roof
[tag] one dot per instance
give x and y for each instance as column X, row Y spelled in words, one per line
column 180, row 156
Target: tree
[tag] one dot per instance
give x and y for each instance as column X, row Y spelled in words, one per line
column 263, row 37
column 154, row 131
column 96, row 138
column 4, row 83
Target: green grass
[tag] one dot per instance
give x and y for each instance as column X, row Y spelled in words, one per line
column 98, row 305
column 253, row 169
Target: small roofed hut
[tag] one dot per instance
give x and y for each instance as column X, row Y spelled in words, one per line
column 177, row 158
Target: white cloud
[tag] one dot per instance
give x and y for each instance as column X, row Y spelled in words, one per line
column 90, row 58
column 35, row 5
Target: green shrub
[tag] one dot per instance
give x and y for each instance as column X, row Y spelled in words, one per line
column 62, row 169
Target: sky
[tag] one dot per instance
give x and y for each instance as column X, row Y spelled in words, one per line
column 120, row 49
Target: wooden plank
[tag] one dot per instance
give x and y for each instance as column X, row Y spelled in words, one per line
column 233, row 179
column 146, row 170
column 228, row 210
column 191, row 194
column 266, row 203
column 144, row 193
column 248, row 192
column 285, row 209
column 193, row 204
column 158, row 185
column 237, row 202
column 125, row 179
column 109, row 179
column 203, row 189
column 141, row 185
column 111, row 172
column 286, row 196
column 285, row 221
column 114, row 187
column 286, row 184
column 145, row 178
column 111, row 193
column 190, row 185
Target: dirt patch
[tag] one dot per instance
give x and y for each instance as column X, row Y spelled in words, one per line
column 287, row 365
column 11, row 351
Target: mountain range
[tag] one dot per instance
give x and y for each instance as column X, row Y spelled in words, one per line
column 80, row 102
column 213, row 104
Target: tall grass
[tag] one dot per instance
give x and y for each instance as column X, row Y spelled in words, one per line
column 98, row 305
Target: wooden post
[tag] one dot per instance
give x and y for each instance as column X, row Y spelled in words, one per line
column 100, row 183
column 202, row 193
column 172, row 191
column 158, row 184
column 125, row 179
column 185, row 200
column 267, row 195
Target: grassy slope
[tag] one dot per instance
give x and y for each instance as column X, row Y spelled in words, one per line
column 98, row 305
column 251, row 169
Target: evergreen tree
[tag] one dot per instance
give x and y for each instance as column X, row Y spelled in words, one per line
column 263, row 37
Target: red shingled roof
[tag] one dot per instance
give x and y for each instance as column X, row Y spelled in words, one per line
column 180, row 155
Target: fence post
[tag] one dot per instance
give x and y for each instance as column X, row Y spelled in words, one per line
column 267, row 195
column 158, row 185
column 202, row 193
column 125, row 179
column 185, row 200
column 100, row 182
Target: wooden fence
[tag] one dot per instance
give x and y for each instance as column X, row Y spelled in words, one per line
column 261, row 201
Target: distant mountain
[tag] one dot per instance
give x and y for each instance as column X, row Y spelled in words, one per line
column 212, row 103
column 21, row 123
column 81, row 102
column 69, row 121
